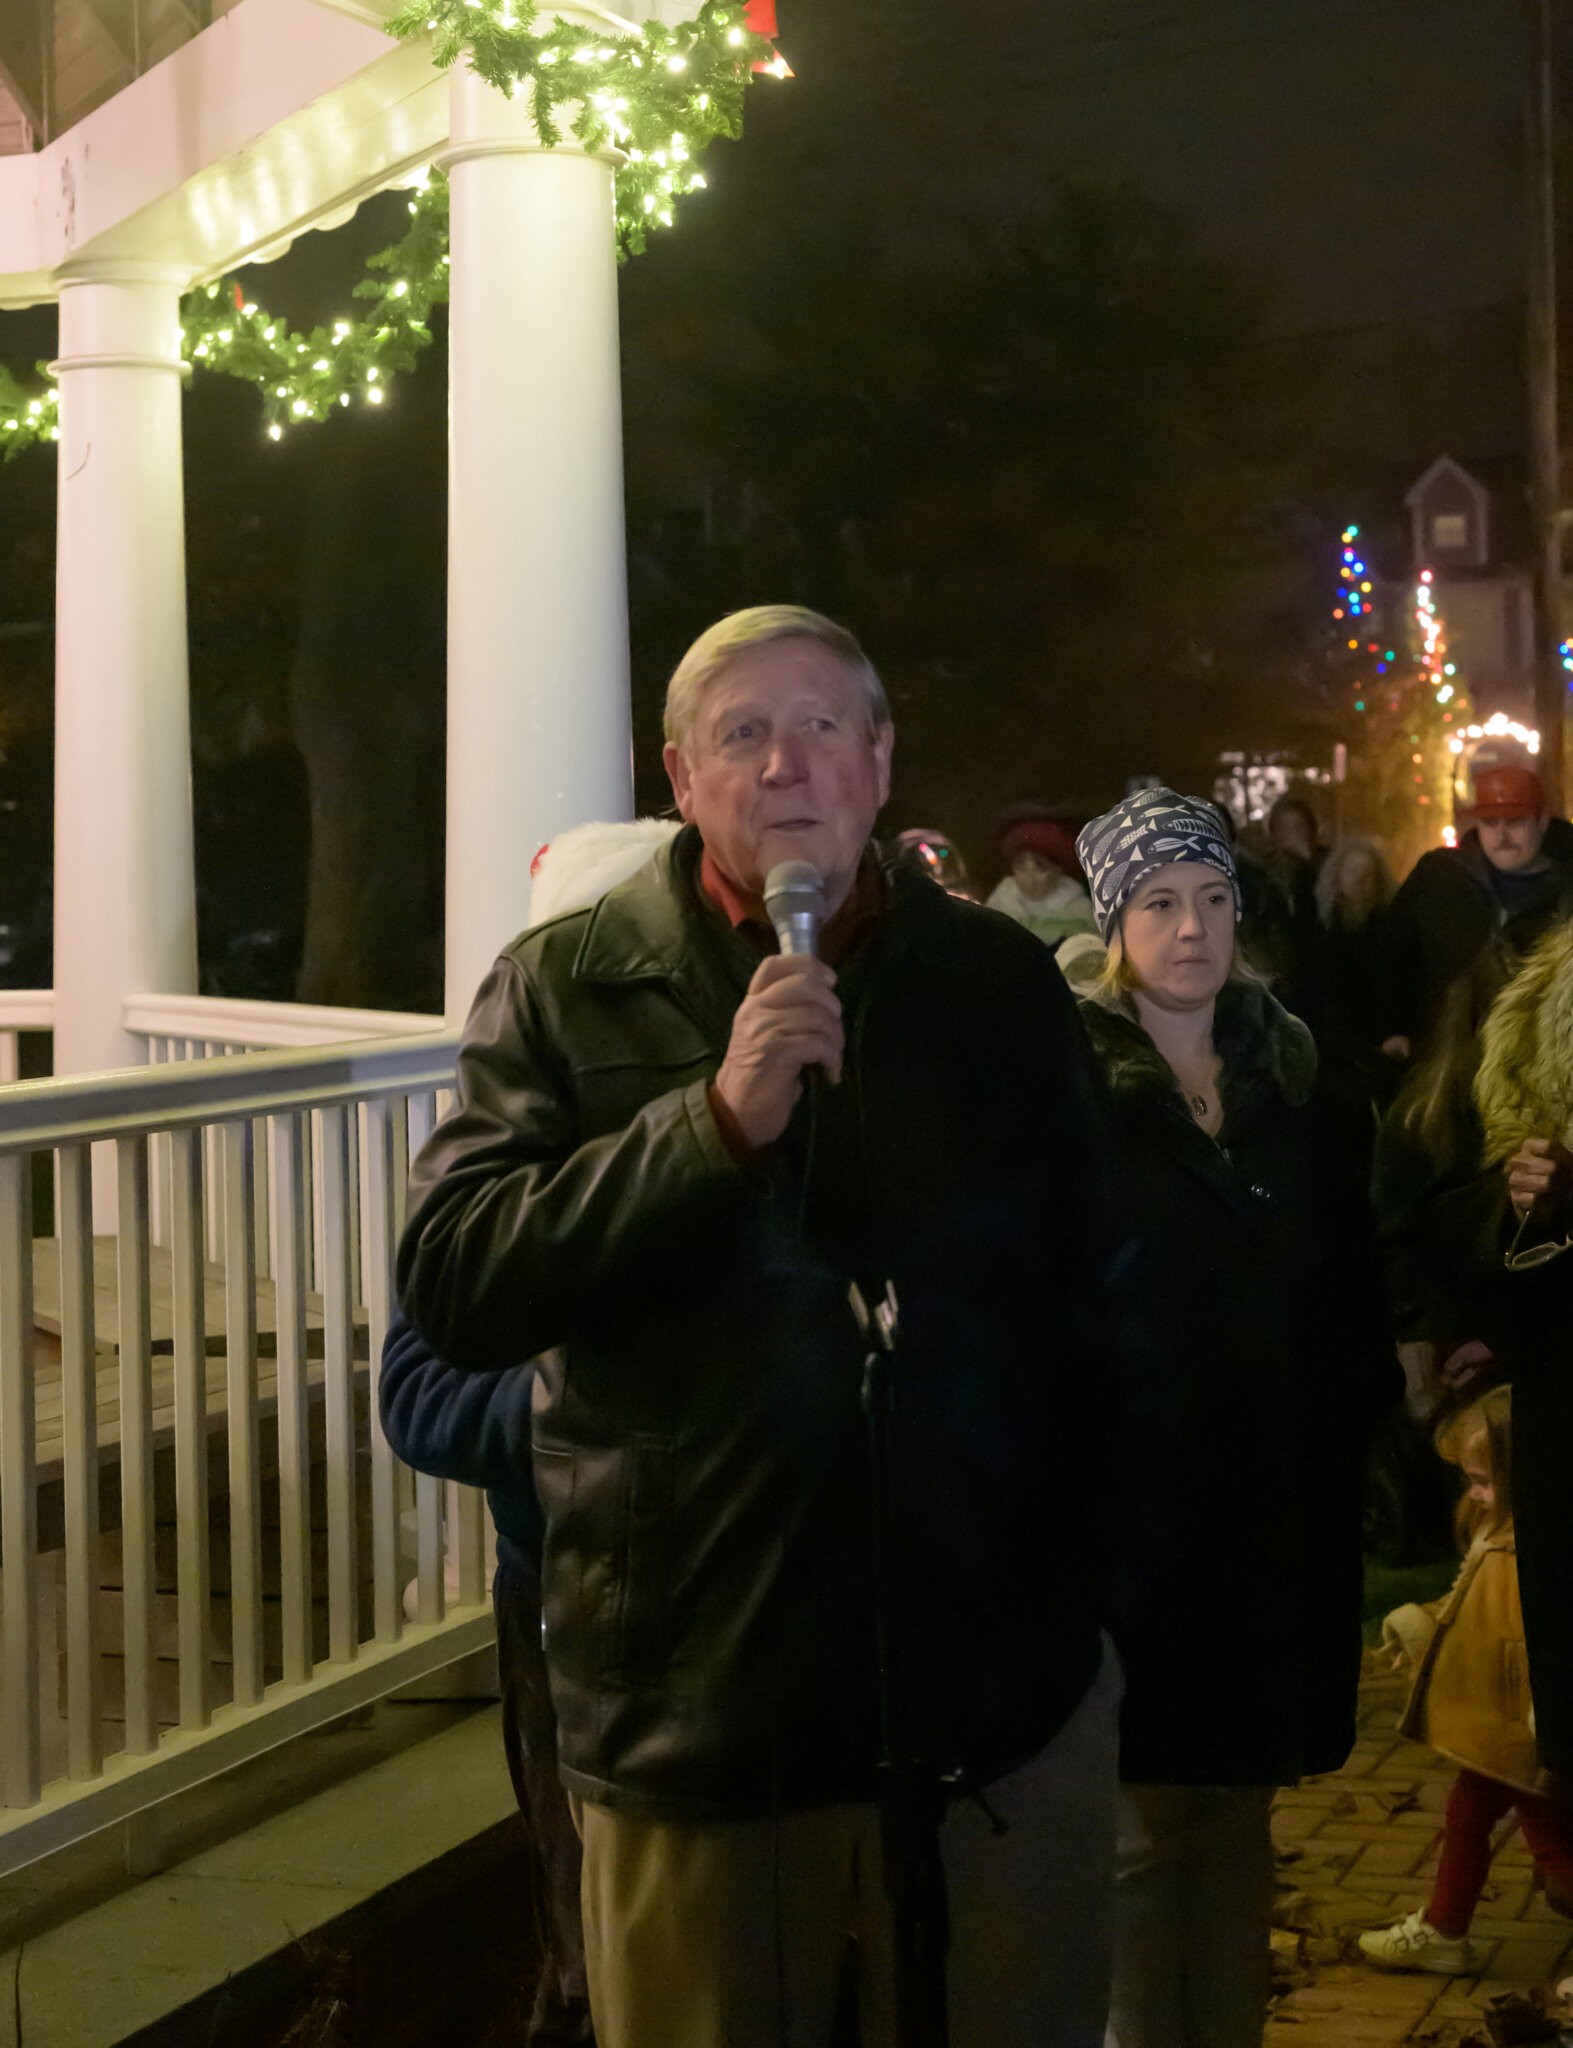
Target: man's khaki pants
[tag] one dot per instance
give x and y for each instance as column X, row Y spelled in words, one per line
column 737, row 1935
column 1193, row 1916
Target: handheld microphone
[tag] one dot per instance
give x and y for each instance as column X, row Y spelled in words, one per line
column 795, row 904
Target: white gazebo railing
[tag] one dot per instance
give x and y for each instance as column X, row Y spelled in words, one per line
column 181, row 1028
column 200, row 1520
column 22, row 1009
column 200, row 1027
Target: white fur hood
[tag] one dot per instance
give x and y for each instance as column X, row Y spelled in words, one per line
column 579, row 866
column 1524, row 1088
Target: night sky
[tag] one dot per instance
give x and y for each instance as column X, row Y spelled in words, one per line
column 1365, row 155
column 1363, row 160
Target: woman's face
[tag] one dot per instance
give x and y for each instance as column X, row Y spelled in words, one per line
column 1178, row 934
column 1034, row 876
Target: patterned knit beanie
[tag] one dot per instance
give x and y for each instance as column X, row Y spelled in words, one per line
column 1150, row 830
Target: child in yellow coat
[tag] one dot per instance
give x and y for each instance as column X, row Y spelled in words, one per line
column 1470, row 1701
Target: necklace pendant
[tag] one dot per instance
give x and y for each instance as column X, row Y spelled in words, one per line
column 1199, row 1108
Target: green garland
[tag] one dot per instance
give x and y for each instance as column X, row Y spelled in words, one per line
column 660, row 98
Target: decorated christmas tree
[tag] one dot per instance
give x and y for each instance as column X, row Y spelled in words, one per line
column 1401, row 704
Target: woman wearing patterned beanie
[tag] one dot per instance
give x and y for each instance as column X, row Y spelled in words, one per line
column 1262, row 1363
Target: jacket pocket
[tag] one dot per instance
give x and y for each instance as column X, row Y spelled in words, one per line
column 610, row 1097
column 606, row 1590
column 647, row 1556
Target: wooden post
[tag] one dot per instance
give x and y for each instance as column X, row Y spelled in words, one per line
column 1551, row 678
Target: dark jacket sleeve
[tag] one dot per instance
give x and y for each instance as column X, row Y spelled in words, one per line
column 519, row 1225
column 1440, row 1231
column 470, row 1427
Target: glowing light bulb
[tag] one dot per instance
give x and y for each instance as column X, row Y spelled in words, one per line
column 677, row 63
column 401, row 289
column 300, row 408
column 374, row 396
column 275, row 433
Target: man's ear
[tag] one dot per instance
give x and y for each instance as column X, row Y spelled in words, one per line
column 884, row 748
column 682, row 783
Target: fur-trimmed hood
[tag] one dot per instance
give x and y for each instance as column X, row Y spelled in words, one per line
column 579, row 866
column 1524, row 1087
column 1257, row 1040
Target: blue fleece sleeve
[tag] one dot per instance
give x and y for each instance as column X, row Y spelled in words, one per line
column 472, row 1427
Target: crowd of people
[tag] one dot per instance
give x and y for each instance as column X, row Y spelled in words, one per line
column 929, row 1386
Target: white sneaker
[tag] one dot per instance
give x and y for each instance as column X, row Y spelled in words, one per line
column 1414, row 1944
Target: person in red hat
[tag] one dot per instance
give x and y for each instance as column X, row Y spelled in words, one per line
column 1510, row 876
column 1043, row 889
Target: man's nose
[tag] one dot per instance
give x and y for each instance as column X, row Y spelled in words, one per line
column 786, row 761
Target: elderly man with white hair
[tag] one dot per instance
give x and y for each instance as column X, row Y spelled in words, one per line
column 821, row 1590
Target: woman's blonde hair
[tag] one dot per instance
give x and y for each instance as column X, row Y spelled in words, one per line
column 1435, row 1106
column 737, row 634
column 1485, row 1428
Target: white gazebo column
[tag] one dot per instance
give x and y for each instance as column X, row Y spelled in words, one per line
column 539, row 734
column 125, row 895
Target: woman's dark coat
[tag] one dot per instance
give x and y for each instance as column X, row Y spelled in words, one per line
column 1263, row 1363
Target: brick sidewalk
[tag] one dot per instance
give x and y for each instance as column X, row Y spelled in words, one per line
column 1357, row 1850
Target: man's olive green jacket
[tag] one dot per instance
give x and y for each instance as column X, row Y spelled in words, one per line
column 701, row 1448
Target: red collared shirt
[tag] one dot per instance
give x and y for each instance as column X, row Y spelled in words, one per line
column 843, row 933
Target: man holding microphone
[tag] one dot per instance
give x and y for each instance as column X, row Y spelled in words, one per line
column 818, row 1243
